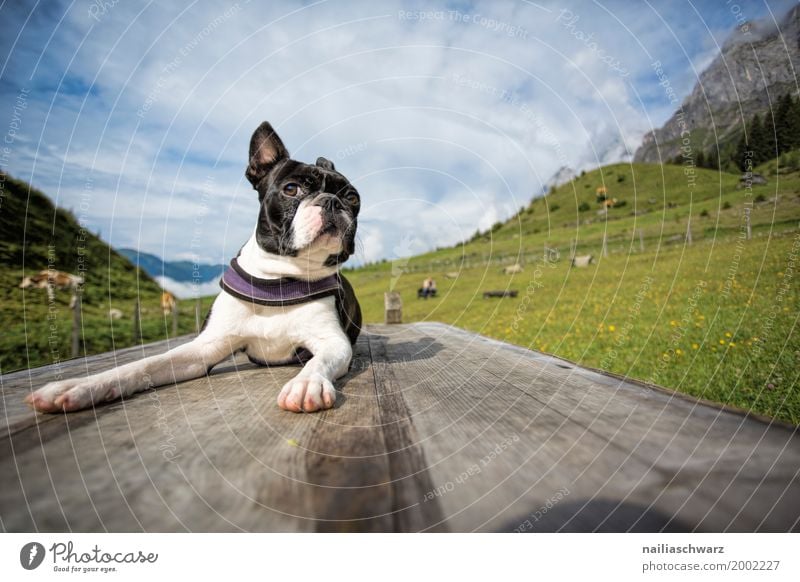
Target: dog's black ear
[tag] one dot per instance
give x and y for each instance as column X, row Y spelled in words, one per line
column 266, row 150
column 325, row 164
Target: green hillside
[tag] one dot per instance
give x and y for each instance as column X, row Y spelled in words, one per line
column 716, row 318
column 35, row 235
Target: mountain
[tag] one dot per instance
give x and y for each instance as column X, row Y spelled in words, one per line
column 183, row 278
column 36, row 234
column 755, row 67
column 562, row 176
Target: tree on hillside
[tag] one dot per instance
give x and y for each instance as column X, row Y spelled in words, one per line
column 712, row 160
column 787, row 124
column 758, row 141
column 770, row 145
column 701, row 160
column 741, row 155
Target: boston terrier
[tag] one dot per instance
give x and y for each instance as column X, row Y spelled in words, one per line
column 283, row 299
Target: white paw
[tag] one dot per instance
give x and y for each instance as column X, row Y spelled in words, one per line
column 70, row 395
column 308, row 394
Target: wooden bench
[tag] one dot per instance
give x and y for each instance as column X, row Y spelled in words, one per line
column 502, row 293
column 435, row 429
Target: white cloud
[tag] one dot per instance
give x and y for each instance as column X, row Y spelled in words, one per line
column 186, row 290
column 446, row 124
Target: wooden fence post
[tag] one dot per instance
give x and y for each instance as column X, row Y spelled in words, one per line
column 137, row 322
column 393, row 306
column 747, row 222
column 76, row 323
column 175, row 319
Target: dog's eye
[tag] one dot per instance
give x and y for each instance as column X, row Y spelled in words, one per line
column 291, row 189
column 352, row 198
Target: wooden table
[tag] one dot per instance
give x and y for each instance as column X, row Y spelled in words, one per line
column 434, row 429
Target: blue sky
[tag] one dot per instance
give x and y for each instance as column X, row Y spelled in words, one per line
column 447, row 117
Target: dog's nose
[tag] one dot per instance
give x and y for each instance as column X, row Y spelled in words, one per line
column 332, row 203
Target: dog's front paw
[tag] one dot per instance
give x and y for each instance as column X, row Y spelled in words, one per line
column 69, row 395
column 307, row 394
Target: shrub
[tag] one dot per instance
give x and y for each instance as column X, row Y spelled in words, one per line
column 704, row 213
column 726, row 205
column 584, row 206
column 554, row 207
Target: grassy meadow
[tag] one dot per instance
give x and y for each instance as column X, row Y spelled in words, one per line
column 716, row 318
column 36, row 333
column 35, row 235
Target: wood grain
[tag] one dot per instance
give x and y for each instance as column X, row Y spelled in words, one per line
column 434, row 429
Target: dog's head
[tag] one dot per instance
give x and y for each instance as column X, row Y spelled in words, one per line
column 303, row 206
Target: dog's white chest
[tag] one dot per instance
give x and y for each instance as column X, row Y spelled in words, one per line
column 272, row 335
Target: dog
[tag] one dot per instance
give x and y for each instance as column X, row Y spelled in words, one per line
column 283, row 299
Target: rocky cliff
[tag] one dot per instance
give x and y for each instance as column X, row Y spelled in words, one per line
column 757, row 64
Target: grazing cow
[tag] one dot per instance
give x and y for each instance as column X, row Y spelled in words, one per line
column 167, row 302
column 51, row 280
column 512, row 269
column 609, row 202
column 582, row 261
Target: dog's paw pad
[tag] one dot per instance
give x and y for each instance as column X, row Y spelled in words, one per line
column 69, row 395
column 45, row 399
column 307, row 394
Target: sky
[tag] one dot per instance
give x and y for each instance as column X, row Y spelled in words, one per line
column 447, row 117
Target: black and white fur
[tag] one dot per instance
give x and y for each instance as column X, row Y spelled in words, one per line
column 305, row 230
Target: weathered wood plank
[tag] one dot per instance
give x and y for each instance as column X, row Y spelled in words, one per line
column 407, row 463
column 435, row 429
column 346, row 462
column 16, row 415
column 630, row 451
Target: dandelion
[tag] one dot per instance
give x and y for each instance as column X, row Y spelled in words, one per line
column 695, row 346
column 732, row 345
column 728, row 334
column 722, row 342
column 612, row 328
column 679, row 352
column 673, row 323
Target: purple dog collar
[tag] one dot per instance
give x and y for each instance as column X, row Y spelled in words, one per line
column 276, row 292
